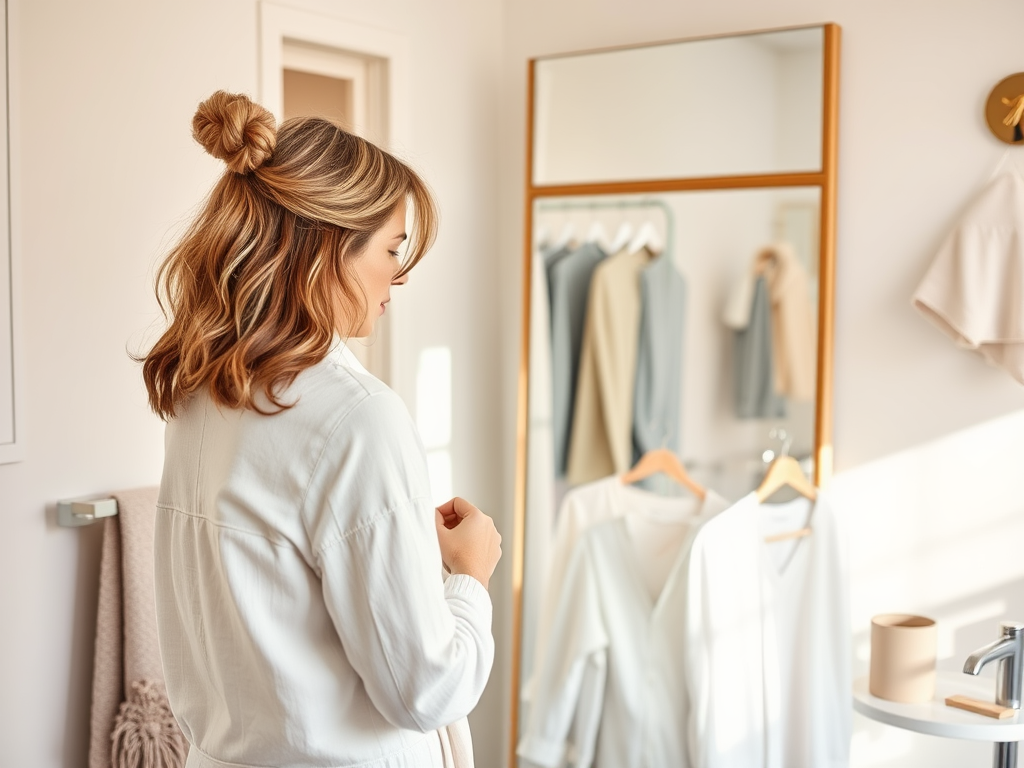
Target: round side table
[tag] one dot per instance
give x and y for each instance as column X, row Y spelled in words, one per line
column 937, row 719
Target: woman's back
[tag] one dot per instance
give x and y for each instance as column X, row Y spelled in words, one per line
column 266, row 532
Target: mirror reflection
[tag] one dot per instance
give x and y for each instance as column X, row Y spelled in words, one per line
column 680, row 206
column 682, row 321
column 748, row 104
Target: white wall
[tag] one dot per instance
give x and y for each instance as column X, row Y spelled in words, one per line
column 103, row 94
column 928, row 439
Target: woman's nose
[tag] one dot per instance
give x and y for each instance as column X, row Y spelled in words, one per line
column 400, row 279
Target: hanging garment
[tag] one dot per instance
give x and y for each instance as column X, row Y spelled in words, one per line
column 601, row 440
column 755, row 396
column 794, row 340
column 793, row 336
column 570, row 284
column 767, row 640
column 613, row 679
column 974, row 289
column 540, row 487
column 658, row 389
column 586, row 506
column 551, row 255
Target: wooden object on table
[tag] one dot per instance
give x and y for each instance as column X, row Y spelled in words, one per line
column 987, row 708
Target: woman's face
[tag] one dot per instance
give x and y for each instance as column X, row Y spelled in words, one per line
column 375, row 269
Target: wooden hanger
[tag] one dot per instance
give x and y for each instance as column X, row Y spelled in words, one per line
column 786, row 471
column 664, row 461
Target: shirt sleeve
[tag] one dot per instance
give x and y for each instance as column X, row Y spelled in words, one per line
column 422, row 646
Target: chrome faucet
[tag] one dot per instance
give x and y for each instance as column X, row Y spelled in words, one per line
column 1009, row 650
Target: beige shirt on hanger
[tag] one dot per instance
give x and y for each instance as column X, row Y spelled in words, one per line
column 601, row 440
column 794, row 341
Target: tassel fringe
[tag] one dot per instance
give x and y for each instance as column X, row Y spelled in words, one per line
column 145, row 732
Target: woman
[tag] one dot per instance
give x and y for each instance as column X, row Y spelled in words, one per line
column 302, row 615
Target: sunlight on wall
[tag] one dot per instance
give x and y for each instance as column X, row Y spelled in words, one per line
column 935, row 530
column 434, row 417
column 936, row 523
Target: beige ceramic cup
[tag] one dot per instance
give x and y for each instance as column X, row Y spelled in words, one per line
column 903, row 658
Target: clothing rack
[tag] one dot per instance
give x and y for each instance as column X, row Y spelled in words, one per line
column 547, row 206
column 74, row 513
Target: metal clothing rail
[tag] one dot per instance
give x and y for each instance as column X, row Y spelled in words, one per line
column 74, row 513
column 578, row 204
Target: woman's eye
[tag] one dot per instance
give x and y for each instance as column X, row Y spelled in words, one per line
column 396, row 254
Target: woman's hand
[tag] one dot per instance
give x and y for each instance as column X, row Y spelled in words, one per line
column 470, row 543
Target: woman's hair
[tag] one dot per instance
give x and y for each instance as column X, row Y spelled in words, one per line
column 261, row 282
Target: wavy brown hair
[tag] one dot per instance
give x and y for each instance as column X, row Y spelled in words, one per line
column 260, row 284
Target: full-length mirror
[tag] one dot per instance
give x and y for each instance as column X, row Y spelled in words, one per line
column 678, row 310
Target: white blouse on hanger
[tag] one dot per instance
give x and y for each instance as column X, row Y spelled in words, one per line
column 585, row 506
column 612, row 690
column 767, row 640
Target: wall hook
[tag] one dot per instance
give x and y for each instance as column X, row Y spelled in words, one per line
column 1009, row 92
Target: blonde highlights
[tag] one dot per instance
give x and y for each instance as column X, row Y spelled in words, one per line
column 260, row 284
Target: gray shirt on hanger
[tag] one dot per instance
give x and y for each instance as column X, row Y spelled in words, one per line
column 756, row 397
column 569, row 283
column 658, row 392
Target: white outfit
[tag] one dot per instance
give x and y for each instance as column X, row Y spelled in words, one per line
column 587, row 505
column 591, row 624
column 301, row 613
column 768, row 639
column 612, row 690
column 974, row 289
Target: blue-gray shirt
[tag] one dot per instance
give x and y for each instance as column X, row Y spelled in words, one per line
column 569, row 283
column 658, row 394
column 755, row 382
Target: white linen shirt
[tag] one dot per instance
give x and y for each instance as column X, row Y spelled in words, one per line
column 301, row 613
column 768, row 638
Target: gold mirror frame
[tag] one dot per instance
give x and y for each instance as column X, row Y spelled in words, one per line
column 825, row 180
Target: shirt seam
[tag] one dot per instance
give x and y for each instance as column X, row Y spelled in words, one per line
column 327, row 441
column 341, row 538
column 281, row 544
column 199, row 454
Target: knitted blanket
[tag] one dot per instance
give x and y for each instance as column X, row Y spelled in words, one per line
column 131, row 725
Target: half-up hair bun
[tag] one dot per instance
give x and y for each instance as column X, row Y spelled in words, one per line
column 235, row 129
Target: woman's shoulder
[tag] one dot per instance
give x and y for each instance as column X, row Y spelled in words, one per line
column 338, row 390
